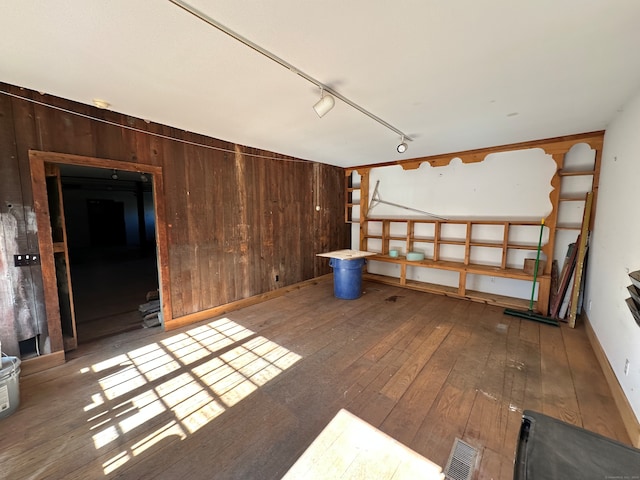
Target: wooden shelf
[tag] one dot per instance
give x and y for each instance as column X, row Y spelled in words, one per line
column 461, row 263
column 473, row 268
column 521, row 246
column 423, row 239
column 568, row 226
column 452, row 242
column 487, row 244
column 349, row 203
column 481, row 297
column 575, row 173
column 572, row 198
column 457, row 221
column 412, row 284
column 500, row 300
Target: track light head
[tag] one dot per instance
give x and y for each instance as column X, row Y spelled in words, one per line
column 143, row 177
column 402, row 146
column 325, row 104
column 114, row 174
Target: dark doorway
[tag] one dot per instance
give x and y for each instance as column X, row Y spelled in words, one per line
column 110, row 224
column 106, row 222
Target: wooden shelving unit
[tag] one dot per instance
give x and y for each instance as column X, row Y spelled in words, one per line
column 463, row 264
column 350, row 203
column 408, row 234
column 573, row 197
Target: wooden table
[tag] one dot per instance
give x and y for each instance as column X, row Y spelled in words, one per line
column 351, row 449
column 346, row 254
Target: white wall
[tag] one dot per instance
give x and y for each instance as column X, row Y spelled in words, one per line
column 615, row 249
column 507, row 185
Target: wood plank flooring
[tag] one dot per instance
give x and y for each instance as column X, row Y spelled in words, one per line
column 243, row 395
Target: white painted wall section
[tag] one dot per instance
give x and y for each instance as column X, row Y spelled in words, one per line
column 505, row 185
column 615, row 250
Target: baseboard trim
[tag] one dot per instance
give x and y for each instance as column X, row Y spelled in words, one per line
column 41, row 363
column 245, row 302
column 626, row 412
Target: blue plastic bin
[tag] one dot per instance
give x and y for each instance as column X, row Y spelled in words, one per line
column 347, row 277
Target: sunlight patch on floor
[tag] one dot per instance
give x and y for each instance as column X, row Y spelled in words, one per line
column 177, row 386
column 350, row 449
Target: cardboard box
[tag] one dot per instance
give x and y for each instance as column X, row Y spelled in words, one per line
column 530, row 264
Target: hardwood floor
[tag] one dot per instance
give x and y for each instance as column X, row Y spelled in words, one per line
column 243, row 395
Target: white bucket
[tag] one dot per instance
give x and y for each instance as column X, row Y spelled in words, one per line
column 9, row 386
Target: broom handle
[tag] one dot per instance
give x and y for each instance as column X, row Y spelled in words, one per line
column 535, row 270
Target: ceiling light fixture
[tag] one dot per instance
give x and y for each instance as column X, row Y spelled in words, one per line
column 257, row 48
column 114, row 174
column 402, row 147
column 325, row 104
column 103, row 104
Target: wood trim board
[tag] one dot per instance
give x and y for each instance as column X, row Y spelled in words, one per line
column 631, row 422
column 174, row 323
column 41, row 363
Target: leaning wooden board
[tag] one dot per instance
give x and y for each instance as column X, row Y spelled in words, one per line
column 564, row 281
column 582, row 249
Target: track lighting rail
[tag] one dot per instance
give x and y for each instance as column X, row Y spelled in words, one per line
column 271, row 56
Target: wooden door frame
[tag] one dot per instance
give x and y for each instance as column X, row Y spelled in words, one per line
column 37, row 160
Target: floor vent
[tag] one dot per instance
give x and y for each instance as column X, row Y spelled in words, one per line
column 461, row 461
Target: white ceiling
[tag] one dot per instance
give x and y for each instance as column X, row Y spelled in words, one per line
column 454, row 75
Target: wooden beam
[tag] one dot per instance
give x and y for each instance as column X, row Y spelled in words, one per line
column 47, row 258
column 68, row 159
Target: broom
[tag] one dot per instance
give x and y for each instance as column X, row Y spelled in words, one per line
column 530, row 314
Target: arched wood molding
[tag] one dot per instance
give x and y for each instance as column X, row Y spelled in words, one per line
column 549, row 145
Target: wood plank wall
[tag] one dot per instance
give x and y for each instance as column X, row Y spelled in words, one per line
column 234, row 221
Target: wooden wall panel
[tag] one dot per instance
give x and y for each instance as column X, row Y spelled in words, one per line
column 8, row 230
column 23, row 120
column 329, row 229
column 235, row 221
column 24, row 289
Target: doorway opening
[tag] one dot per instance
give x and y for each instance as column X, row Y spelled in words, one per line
column 110, row 232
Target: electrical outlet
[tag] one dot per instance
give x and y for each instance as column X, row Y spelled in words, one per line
column 626, row 367
column 26, row 259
